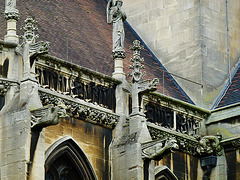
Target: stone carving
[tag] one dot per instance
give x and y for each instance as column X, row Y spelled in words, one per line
column 156, row 150
column 206, row 145
column 4, row 86
column 83, row 112
column 29, row 49
column 48, row 115
column 10, row 10
column 209, row 145
column 186, row 143
column 117, row 17
column 139, row 86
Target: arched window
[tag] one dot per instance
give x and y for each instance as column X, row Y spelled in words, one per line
column 164, row 173
column 65, row 160
column 5, row 68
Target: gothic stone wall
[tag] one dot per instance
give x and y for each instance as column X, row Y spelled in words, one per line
column 93, row 140
column 189, row 38
column 184, row 166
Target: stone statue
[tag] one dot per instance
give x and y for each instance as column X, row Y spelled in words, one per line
column 117, row 17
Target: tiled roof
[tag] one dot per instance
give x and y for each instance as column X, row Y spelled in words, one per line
column 231, row 93
column 78, row 32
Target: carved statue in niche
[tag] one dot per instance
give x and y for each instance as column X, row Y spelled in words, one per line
column 117, row 17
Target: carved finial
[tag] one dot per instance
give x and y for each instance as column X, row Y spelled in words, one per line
column 29, row 30
column 139, row 86
column 10, row 10
column 137, row 74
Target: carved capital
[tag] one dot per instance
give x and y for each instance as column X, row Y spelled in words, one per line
column 118, row 54
column 11, row 15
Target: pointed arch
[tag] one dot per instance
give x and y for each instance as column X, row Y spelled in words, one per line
column 66, row 160
column 5, row 68
column 164, row 173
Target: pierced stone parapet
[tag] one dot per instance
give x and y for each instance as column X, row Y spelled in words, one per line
column 80, row 109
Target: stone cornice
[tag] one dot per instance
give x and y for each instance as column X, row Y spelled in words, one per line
column 80, row 109
column 223, row 114
column 231, row 143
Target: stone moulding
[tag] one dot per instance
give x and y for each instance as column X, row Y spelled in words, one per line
column 80, row 109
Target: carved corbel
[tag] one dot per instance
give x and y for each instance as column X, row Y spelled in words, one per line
column 156, row 149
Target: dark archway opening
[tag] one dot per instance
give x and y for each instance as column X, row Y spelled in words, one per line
column 68, row 162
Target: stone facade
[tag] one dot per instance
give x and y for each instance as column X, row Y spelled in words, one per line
column 59, row 120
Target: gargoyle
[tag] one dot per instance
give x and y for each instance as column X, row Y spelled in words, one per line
column 157, row 149
column 47, row 115
column 208, row 145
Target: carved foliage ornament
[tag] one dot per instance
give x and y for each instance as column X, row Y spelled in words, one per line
column 82, row 112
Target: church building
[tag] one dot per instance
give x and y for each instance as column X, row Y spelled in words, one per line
column 120, row 90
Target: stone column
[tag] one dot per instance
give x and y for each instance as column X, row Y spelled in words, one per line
column 11, row 16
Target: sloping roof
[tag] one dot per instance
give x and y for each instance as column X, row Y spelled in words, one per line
column 78, row 32
column 231, row 92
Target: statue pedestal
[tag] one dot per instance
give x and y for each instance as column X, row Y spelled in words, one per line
column 118, row 69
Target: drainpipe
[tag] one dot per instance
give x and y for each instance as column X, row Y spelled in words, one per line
column 228, row 51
